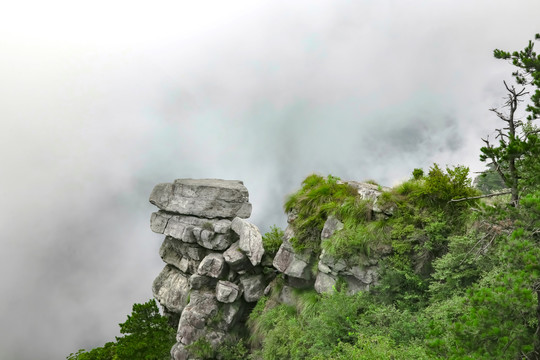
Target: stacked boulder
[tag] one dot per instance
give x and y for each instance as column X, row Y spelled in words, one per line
column 213, row 258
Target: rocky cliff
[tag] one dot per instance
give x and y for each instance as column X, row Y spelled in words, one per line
column 216, row 266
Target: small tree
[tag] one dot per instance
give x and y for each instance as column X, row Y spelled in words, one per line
column 512, row 143
column 147, row 336
column 518, row 140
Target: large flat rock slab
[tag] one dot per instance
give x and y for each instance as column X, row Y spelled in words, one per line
column 208, row 198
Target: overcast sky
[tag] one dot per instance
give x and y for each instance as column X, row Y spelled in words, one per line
column 101, row 100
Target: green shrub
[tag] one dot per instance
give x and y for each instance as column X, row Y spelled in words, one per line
column 273, row 239
column 318, row 199
column 356, row 238
column 377, row 347
column 201, row 348
column 233, row 349
column 418, row 174
column 313, row 203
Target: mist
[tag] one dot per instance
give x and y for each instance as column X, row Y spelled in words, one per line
column 99, row 102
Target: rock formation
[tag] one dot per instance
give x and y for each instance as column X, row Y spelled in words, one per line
column 216, row 267
column 213, row 258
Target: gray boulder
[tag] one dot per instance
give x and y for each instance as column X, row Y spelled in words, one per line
column 208, row 198
column 237, row 260
column 201, row 308
column 368, row 275
column 331, row 225
column 171, row 289
column 227, row 292
column 170, row 252
column 179, row 352
column 354, row 285
column 253, row 286
column 199, row 282
column 291, row 263
column 213, row 265
column 211, row 240
column 324, row 283
column 327, row 261
column 210, row 233
column 230, row 315
column 250, row 239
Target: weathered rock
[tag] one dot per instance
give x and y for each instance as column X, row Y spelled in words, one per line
column 213, row 265
column 158, row 221
column 231, row 313
column 170, row 252
column 222, row 226
column 198, row 282
column 324, row 283
column 185, row 257
column 331, row 225
column 209, row 198
column 373, row 192
column 335, row 265
column 354, row 285
column 367, row 275
column 283, row 258
column 188, row 266
column 179, row 352
column 286, row 295
column 250, row 239
column 299, row 283
column 202, row 306
column 216, row 338
column 210, row 233
column 237, row 260
column 292, row 215
column 287, row 261
column 253, row 286
column 213, row 241
column 194, row 252
column 322, row 267
column 227, row 292
column 171, row 289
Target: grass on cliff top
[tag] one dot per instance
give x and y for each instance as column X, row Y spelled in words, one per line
column 319, row 198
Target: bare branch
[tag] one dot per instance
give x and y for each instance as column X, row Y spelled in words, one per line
column 481, row 196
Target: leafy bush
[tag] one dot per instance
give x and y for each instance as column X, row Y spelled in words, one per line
column 273, row 239
column 377, row 347
column 201, row 348
column 356, row 238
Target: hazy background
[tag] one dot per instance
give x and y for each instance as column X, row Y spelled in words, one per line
column 101, row 100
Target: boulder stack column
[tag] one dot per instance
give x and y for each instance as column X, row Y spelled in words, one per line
column 213, row 258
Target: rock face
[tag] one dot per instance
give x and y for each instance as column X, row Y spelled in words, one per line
column 216, row 265
column 297, row 266
column 208, row 198
column 213, row 258
column 250, row 240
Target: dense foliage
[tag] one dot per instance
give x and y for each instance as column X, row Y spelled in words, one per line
column 462, row 283
column 146, row 336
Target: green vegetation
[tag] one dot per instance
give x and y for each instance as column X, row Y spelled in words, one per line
column 518, row 141
column 314, row 202
column 272, row 240
column 146, row 336
column 460, row 279
column 201, row 348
